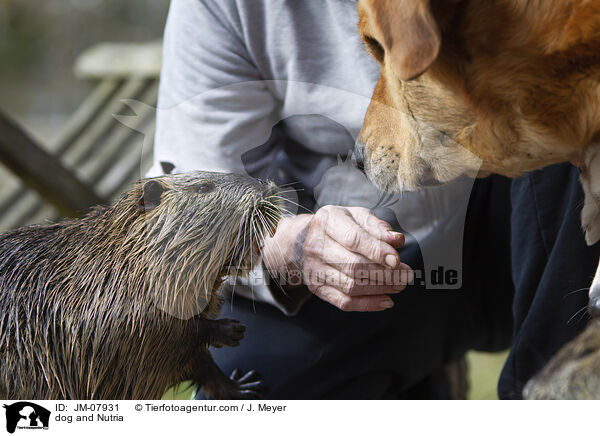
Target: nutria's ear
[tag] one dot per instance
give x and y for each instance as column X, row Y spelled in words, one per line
column 151, row 192
column 167, row 167
column 411, row 35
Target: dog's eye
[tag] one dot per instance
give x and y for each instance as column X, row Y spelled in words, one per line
column 374, row 48
column 205, row 188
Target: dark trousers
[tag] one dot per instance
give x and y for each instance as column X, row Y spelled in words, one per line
column 325, row 353
column 552, row 269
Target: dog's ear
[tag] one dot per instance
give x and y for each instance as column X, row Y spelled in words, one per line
column 411, row 35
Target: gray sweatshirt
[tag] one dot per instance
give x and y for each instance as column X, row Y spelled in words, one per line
column 279, row 89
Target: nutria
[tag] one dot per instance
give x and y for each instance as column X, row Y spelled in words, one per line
column 573, row 373
column 120, row 304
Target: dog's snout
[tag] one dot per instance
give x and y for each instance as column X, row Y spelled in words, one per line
column 594, row 307
column 427, row 178
column 358, row 157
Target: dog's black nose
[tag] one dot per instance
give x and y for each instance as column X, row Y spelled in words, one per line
column 594, row 307
column 358, row 157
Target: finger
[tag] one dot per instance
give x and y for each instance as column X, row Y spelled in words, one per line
column 376, row 227
column 366, row 219
column 383, row 281
column 353, row 304
column 354, row 265
column 345, row 231
column 395, row 239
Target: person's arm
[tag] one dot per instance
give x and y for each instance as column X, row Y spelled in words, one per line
column 213, row 105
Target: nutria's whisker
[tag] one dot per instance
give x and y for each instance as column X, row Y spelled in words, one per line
column 268, row 218
column 232, row 257
column 241, row 256
column 294, row 203
column 285, row 185
column 252, row 241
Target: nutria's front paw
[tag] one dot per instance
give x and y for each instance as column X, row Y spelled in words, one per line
column 228, row 333
column 246, row 386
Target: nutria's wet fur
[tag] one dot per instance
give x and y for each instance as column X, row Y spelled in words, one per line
column 119, row 304
column 573, row 373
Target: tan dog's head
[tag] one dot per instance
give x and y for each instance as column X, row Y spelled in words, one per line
column 478, row 86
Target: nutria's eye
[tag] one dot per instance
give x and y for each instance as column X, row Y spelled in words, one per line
column 205, row 188
column 375, row 48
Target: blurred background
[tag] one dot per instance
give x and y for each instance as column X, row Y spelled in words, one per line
column 65, row 67
column 40, row 42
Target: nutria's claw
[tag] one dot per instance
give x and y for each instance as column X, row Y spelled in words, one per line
column 251, row 375
column 249, row 385
column 229, row 333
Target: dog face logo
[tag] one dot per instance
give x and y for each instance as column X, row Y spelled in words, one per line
column 26, row 415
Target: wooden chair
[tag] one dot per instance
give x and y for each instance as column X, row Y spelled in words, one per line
column 94, row 157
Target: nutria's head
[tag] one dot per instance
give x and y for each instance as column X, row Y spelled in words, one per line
column 185, row 232
column 573, row 374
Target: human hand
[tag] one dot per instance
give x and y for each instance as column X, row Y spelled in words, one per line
column 345, row 255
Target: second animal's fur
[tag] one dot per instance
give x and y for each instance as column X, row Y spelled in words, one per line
column 574, row 373
column 120, row 304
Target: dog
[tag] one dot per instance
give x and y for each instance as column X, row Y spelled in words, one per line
column 473, row 87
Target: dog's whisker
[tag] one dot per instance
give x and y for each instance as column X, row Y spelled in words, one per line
column 577, row 313
column 574, row 292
